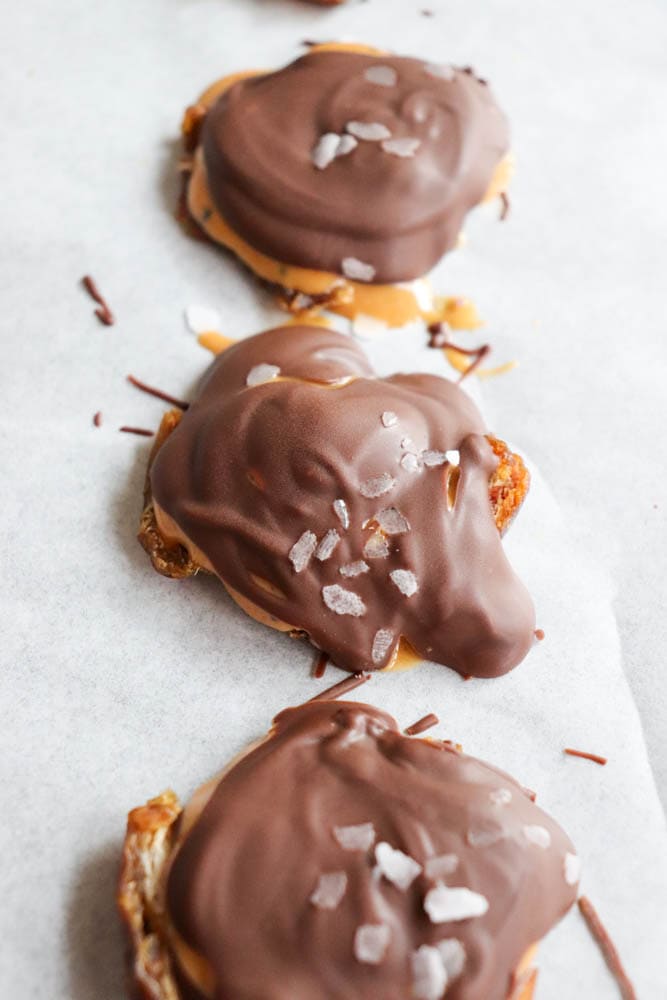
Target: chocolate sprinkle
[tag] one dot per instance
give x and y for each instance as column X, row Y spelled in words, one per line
column 421, row 725
column 596, row 758
column 607, row 947
column 97, row 419
column 158, row 393
column 342, row 687
column 141, row 431
column 320, row 665
column 104, row 313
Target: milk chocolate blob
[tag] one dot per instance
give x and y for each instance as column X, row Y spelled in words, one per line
column 288, row 884
column 352, row 507
column 361, row 165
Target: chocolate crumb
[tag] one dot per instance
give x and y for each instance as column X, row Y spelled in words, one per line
column 104, row 313
column 427, row 13
column 136, row 430
column 539, row 634
column 342, row 687
column 596, row 758
column 158, row 393
column 607, row 947
column 421, row 725
column 530, row 793
column 97, row 419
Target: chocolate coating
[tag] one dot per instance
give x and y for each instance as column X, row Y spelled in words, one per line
column 239, row 888
column 250, row 469
column 399, row 214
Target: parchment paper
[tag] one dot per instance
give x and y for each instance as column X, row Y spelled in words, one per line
column 117, row 683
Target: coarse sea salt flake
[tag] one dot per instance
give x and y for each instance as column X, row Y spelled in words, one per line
column 343, row 602
column 484, row 838
column 346, row 144
column 324, row 151
column 572, row 868
column 403, row 148
column 396, row 866
column 327, row 545
column 371, row 942
column 429, row 976
column 202, row 319
column 357, row 270
column 357, row 837
column 405, row 580
column 341, row 512
column 354, row 568
column 537, row 835
column 382, row 76
column 389, row 418
column 453, row 956
column 453, row 456
column 500, row 796
column 440, row 71
column 433, row 458
column 441, row 865
column 377, row 486
column 444, row 904
column 262, row 373
column 368, row 131
column 410, row 462
column 381, row 643
column 301, row 552
column 329, row 890
column 392, row 521
column 377, row 546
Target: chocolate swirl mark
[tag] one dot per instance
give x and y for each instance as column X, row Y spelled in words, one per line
column 345, row 905
column 294, row 492
column 429, row 141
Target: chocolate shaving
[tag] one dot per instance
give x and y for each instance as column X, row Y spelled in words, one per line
column 505, row 205
column 596, row 758
column 104, row 314
column 342, row 687
column 421, row 725
column 157, row 393
column 607, row 947
column 137, row 430
column 320, row 665
column 97, row 419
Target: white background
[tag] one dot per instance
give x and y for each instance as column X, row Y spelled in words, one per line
column 116, row 683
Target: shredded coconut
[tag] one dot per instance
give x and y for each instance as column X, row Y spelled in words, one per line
column 301, row 552
column 329, row 890
column 262, row 373
column 398, row 868
column 343, row 602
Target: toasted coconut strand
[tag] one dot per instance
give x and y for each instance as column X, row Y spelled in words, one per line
column 508, row 485
column 147, row 846
column 168, row 559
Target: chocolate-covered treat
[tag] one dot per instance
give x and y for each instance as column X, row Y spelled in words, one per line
column 345, row 176
column 364, row 512
column 339, row 858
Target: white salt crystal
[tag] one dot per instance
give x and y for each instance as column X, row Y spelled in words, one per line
column 389, row 418
column 381, row 642
column 441, row 865
column 343, row 602
column 325, row 150
column 444, row 904
column 410, row 462
column 377, row 546
column 404, row 148
column 356, row 270
column 329, row 890
column 432, row 458
column 453, row 956
column 371, row 942
column 377, row 486
column 483, row 838
column 440, row 71
column 405, row 580
column 382, row 76
column 572, row 868
column 262, row 373
column 302, row 550
column 341, row 512
column 327, row 545
column 357, row 837
column 368, row 131
column 392, row 521
column 398, row 868
column 429, row 976
column 354, row 568
column 500, row 796
column 537, row 835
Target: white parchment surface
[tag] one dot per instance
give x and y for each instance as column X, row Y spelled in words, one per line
column 116, row 683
